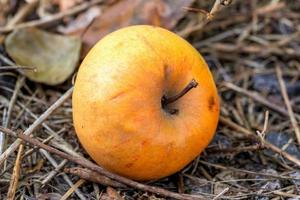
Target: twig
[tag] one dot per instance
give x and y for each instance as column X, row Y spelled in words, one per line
column 15, row 176
column 245, row 132
column 215, row 8
column 88, row 164
column 18, row 86
column 72, row 189
column 271, row 7
column 58, row 141
column 52, row 18
column 253, row 49
column 234, row 150
column 95, row 177
column 260, row 11
column 247, row 171
column 262, row 133
column 221, row 193
column 22, row 13
column 286, row 194
column 256, row 97
column 196, row 10
column 35, row 125
column 266, row 143
column 54, row 172
column 65, row 176
column 283, row 153
column 218, row 5
column 27, row 153
column 17, row 67
column 288, row 103
column 6, row 60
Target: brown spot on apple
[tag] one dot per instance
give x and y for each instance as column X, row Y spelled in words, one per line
column 211, row 103
column 128, row 165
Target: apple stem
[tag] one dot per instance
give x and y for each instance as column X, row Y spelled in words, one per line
column 191, row 85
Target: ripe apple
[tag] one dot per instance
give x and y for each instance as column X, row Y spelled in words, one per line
column 136, row 108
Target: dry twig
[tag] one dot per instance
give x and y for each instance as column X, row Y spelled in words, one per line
column 265, row 143
column 52, row 18
column 22, row 13
column 95, row 177
column 6, row 122
column 260, row 99
column 15, row 176
column 72, row 189
column 88, row 164
column 17, row 67
column 288, row 103
column 217, row 6
column 65, row 176
column 35, row 125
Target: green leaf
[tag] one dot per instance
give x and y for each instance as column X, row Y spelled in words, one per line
column 55, row 57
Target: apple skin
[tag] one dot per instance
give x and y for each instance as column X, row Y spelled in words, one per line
column 117, row 109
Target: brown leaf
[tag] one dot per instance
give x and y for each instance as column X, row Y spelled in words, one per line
column 111, row 194
column 66, row 4
column 54, row 56
column 163, row 13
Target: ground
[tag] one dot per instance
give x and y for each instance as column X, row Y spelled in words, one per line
column 253, row 51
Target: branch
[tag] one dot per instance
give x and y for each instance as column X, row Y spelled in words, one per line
column 88, row 164
column 51, row 18
column 35, row 125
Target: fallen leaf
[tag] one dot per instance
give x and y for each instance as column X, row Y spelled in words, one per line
column 66, row 4
column 111, row 194
column 164, row 13
column 54, row 56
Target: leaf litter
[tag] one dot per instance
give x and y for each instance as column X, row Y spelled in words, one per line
column 236, row 43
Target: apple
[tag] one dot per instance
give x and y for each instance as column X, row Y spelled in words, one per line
column 145, row 103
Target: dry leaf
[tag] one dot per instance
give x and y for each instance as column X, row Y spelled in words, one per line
column 163, row 13
column 66, row 4
column 54, row 56
column 111, row 194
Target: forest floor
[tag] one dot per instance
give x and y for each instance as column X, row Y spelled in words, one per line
column 252, row 49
